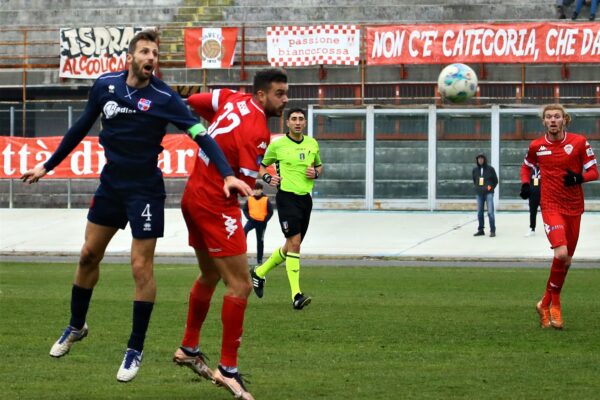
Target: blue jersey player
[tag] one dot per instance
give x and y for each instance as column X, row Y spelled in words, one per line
column 136, row 108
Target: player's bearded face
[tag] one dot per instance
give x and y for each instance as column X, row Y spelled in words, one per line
column 554, row 121
column 144, row 59
column 275, row 99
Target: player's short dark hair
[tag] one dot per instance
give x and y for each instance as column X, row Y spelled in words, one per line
column 258, row 185
column 147, row 34
column 264, row 78
column 295, row 110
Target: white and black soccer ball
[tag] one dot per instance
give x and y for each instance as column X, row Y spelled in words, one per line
column 457, row 83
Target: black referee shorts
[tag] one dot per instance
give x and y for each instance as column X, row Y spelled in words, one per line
column 294, row 213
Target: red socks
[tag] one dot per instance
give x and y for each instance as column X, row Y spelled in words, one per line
column 232, row 317
column 558, row 273
column 200, row 296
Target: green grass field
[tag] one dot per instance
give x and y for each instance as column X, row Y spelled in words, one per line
column 370, row 333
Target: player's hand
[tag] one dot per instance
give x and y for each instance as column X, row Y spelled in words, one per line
column 525, row 191
column 233, row 183
column 572, row 179
column 271, row 180
column 312, row 173
column 33, row 175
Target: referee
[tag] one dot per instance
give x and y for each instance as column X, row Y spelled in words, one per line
column 298, row 164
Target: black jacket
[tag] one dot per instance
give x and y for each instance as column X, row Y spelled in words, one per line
column 488, row 173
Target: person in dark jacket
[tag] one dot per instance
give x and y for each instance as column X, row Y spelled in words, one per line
column 258, row 210
column 485, row 181
column 534, row 199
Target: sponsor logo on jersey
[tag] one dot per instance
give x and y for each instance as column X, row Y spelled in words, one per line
column 550, row 228
column 568, row 148
column 285, row 226
column 241, row 105
column 262, row 145
column 543, row 151
column 589, row 152
column 230, row 225
column 147, row 226
column 111, row 109
column 111, row 88
column 144, row 104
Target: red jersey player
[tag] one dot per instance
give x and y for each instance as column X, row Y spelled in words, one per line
column 214, row 222
column 565, row 160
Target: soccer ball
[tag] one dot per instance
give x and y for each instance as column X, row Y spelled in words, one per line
column 457, row 83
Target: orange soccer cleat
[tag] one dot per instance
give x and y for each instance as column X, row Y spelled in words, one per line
column 544, row 313
column 556, row 317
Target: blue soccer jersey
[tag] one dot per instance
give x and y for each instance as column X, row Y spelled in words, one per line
column 134, row 123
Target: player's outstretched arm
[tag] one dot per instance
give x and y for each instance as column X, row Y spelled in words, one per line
column 35, row 174
column 233, row 183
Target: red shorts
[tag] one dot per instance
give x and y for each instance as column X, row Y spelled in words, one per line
column 220, row 232
column 562, row 230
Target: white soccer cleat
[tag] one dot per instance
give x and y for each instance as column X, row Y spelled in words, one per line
column 130, row 365
column 69, row 336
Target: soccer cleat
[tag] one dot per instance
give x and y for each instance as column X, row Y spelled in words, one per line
column 234, row 384
column 258, row 283
column 69, row 336
column 300, row 301
column 556, row 317
column 544, row 313
column 195, row 362
column 130, row 365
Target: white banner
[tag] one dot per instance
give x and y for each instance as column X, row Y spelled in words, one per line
column 89, row 52
column 300, row 46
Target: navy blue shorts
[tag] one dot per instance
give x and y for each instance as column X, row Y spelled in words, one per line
column 144, row 212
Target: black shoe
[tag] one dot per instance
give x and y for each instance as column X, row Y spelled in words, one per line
column 492, row 234
column 561, row 12
column 479, row 233
column 300, row 301
column 258, row 283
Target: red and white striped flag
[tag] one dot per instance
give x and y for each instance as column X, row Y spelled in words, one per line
column 209, row 47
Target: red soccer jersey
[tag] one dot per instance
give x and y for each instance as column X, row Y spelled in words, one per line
column 239, row 126
column 554, row 159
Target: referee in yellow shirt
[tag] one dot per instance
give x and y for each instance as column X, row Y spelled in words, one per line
column 298, row 164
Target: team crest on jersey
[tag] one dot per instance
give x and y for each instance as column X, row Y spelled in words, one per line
column 111, row 88
column 302, row 156
column 144, row 104
column 568, row 148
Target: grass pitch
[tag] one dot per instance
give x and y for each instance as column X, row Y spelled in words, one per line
column 370, row 333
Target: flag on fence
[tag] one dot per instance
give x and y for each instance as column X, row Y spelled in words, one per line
column 209, row 47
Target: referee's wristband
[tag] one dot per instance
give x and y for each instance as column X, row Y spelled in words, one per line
column 267, row 178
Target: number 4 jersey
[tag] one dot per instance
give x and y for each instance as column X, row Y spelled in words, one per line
column 239, row 126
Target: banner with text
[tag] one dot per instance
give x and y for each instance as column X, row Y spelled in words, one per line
column 484, row 43
column 210, row 47
column 300, row 46
column 17, row 155
column 89, row 52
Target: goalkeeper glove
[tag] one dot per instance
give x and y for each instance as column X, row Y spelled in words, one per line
column 525, row 191
column 572, row 179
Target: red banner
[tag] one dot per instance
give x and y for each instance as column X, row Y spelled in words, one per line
column 17, row 155
column 531, row 42
column 209, row 47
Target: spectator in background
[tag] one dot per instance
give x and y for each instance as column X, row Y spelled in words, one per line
column 561, row 7
column 534, row 199
column 485, row 181
column 593, row 7
column 258, row 210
